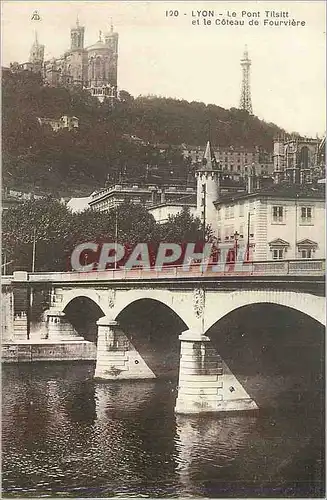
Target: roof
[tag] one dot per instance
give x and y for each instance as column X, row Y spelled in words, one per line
column 290, row 192
column 77, row 205
column 209, row 161
column 307, row 243
column 176, row 203
column 278, row 242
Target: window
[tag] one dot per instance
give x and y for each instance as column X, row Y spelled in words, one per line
column 278, row 214
column 241, row 209
column 229, row 232
column 306, row 253
column 278, row 248
column 278, row 253
column 306, row 215
column 306, row 248
column 229, row 211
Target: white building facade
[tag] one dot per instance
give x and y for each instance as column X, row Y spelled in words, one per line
column 277, row 225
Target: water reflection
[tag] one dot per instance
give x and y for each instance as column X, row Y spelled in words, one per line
column 206, row 445
column 63, row 434
column 134, row 435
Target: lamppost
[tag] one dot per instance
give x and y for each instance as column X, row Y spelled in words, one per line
column 30, row 297
column 248, row 237
column 204, row 212
column 34, row 250
column 296, row 222
column 236, row 235
column 116, row 237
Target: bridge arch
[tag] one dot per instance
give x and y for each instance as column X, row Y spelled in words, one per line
column 153, row 328
column 306, row 303
column 178, row 302
column 83, row 313
column 275, row 351
column 88, row 293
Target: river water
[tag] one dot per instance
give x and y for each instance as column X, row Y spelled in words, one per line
column 65, row 435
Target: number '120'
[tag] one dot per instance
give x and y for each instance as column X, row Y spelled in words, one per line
column 172, row 13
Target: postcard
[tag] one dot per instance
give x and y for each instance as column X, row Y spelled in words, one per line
column 163, row 249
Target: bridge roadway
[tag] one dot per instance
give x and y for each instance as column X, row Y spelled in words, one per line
column 199, row 297
column 259, row 271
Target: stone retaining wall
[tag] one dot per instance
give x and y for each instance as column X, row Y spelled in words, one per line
column 64, row 351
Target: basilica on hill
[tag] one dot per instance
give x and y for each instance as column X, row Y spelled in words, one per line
column 94, row 68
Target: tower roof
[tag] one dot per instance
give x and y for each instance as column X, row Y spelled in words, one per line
column 36, row 40
column 77, row 26
column 111, row 32
column 246, row 55
column 209, row 161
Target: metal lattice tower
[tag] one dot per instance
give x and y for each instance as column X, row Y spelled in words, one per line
column 246, row 101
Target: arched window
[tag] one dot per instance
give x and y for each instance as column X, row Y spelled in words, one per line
column 98, row 68
column 91, row 69
column 304, row 157
column 289, row 158
column 106, row 68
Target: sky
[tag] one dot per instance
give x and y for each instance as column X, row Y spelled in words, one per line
column 167, row 55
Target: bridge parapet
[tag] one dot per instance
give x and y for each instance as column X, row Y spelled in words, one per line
column 257, row 268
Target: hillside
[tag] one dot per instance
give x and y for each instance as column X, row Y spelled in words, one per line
column 67, row 163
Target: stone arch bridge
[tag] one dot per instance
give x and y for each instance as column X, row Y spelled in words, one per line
column 200, row 301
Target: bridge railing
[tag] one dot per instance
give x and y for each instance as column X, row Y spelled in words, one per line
column 306, row 266
column 256, row 268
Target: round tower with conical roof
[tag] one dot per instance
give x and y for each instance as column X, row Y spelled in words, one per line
column 208, row 187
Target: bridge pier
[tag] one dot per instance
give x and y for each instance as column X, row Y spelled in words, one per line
column 205, row 382
column 59, row 329
column 117, row 358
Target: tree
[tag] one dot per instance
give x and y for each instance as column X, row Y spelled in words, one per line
column 86, row 156
column 125, row 97
column 51, row 224
column 57, row 232
column 183, row 227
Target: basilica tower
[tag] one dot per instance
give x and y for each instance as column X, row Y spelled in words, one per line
column 77, row 37
column 37, row 56
column 76, row 59
column 111, row 40
column 102, row 66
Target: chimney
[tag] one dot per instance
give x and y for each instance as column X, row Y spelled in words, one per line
column 251, row 180
column 258, row 184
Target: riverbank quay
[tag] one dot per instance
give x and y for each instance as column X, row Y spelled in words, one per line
column 25, row 351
